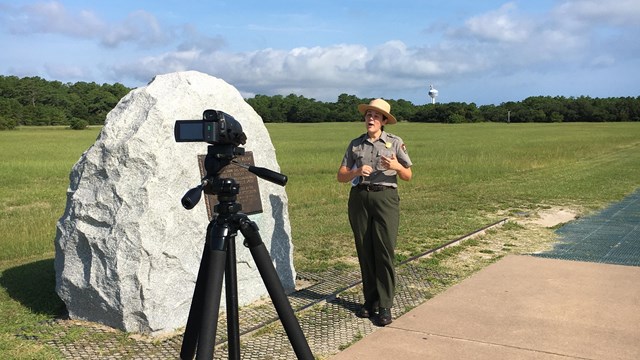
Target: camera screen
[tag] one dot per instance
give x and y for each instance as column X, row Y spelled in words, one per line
column 187, row 130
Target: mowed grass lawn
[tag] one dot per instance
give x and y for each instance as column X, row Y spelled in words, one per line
column 465, row 177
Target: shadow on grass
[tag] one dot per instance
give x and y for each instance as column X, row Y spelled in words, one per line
column 33, row 285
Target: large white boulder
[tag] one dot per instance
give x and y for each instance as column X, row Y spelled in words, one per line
column 127, row 252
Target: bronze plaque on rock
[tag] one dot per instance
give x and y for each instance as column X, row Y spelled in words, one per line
column 249, row 196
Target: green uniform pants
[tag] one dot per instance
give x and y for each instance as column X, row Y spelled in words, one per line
column 374, row 219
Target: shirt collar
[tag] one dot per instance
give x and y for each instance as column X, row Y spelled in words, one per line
column 383, row 137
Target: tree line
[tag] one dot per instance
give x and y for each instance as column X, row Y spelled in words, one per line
column 36, row 101
column 547, row 109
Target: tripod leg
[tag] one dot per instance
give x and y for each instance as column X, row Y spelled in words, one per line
column 203, row 315
column 270, row 277
column 211, row 305
column 231, row 290
column 190, row 338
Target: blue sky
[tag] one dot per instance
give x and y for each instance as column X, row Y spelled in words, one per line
column 485, row 52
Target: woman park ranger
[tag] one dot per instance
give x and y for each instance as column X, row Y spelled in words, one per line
column 373, row 163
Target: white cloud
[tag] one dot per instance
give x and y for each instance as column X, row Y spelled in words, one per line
column 192, row 39
column 603, row 61
column 572, row 34
column 587, row 12
column 144, row 69
column 500, row 25
column 139, row 27
column 64, row 71
column 51, row 17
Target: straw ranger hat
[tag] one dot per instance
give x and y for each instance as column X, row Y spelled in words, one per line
column 380, row 106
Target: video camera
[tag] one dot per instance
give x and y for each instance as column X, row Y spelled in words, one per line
column 216, row 127
column 225, row 135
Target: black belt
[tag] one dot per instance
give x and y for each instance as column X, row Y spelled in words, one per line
column 374, row 187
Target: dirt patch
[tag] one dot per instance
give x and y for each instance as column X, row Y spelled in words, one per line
column 523, row 233
column 550, row 217
column 303, row 284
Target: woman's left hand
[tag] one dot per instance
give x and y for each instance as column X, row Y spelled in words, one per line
column 390, row 163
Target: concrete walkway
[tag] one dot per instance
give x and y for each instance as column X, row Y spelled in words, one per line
column 521, row 307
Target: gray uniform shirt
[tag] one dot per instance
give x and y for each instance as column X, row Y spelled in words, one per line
column 362, row 152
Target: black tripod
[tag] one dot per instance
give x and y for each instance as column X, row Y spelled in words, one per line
column 219, row 258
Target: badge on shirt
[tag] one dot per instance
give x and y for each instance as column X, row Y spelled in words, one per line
column 404, row 148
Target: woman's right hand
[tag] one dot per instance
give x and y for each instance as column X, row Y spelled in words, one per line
column 366, row 170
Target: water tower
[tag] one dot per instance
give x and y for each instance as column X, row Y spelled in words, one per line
column 433, row 93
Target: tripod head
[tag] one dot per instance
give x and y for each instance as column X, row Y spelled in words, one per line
column 225, row 135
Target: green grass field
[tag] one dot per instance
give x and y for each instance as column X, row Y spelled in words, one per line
column 465, row 177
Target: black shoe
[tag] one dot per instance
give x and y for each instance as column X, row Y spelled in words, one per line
column 367, row 310
column 384, row 318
